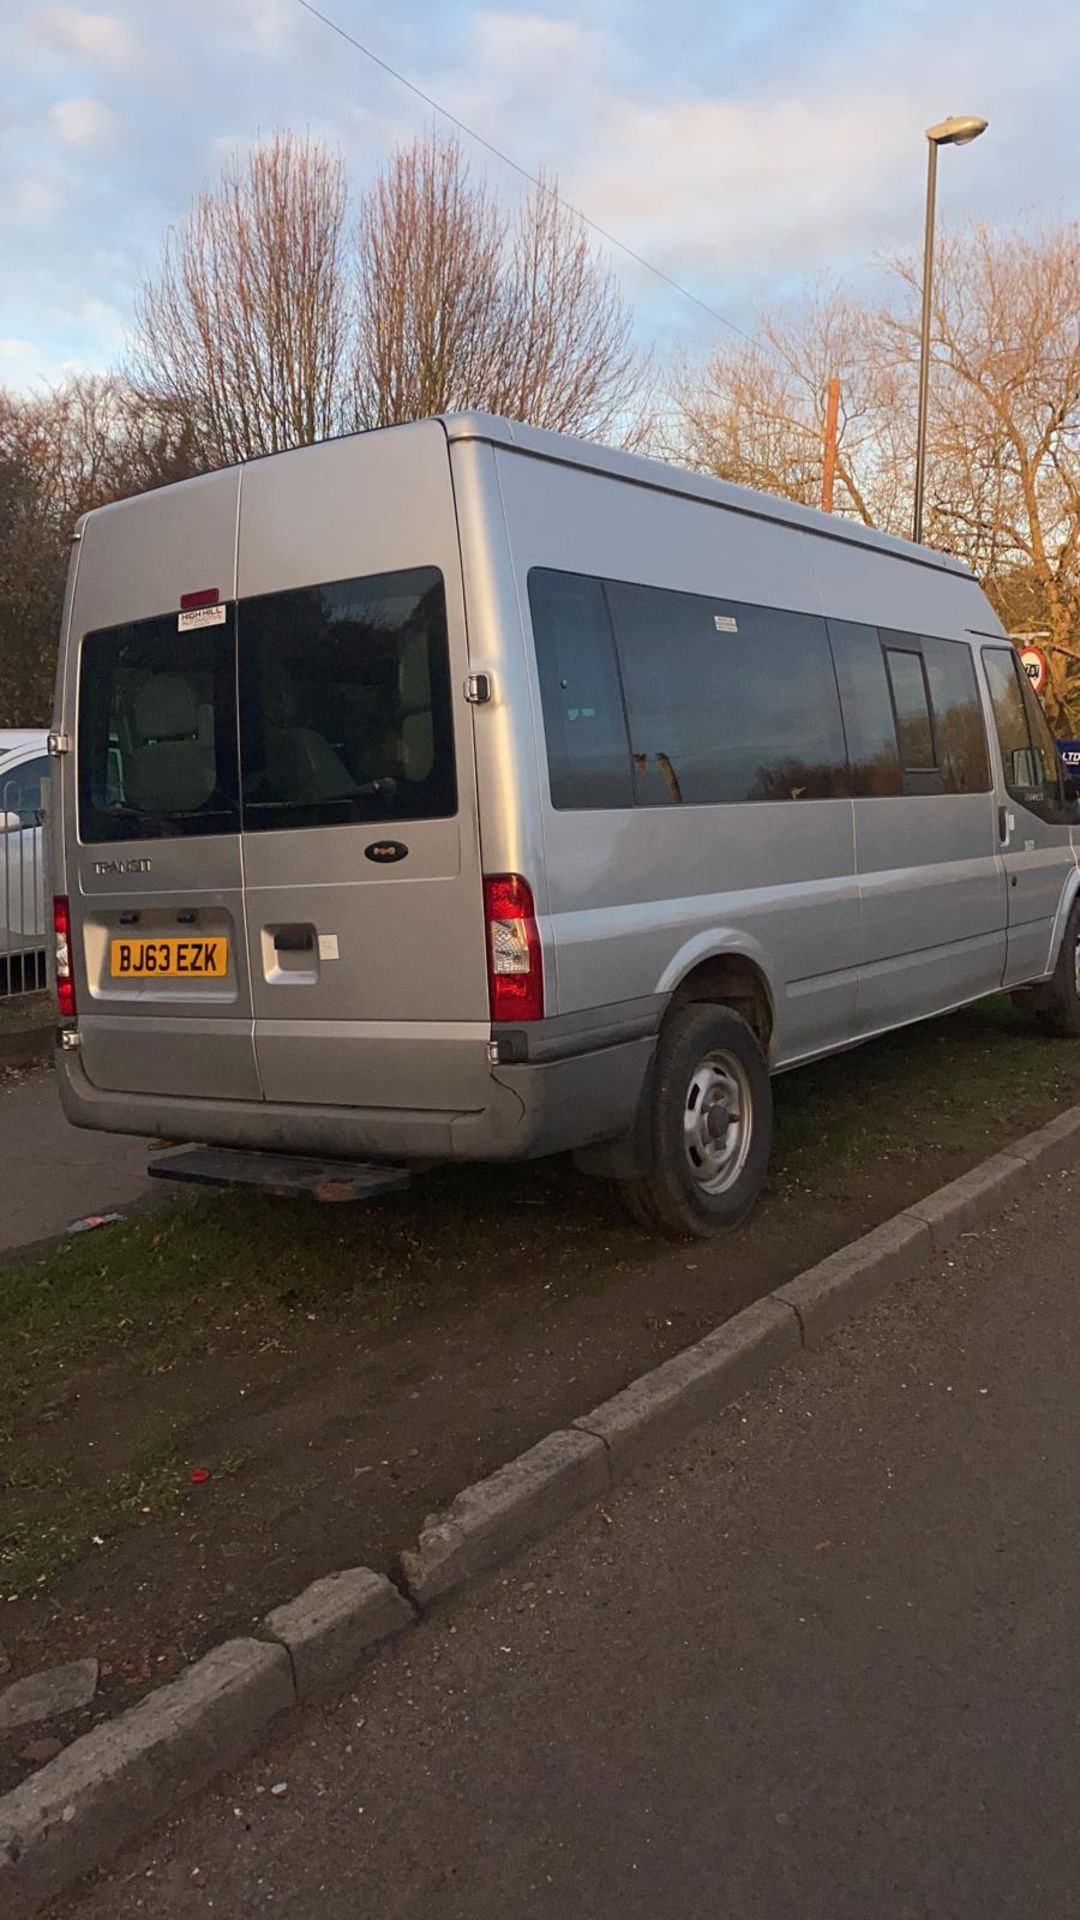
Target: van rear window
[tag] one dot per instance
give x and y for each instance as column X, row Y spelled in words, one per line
column 157, row 731
column 345, row 709
column 344, row 714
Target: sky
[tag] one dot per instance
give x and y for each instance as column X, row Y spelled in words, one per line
column 745, row 147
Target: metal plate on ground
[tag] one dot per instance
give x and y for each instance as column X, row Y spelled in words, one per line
column 287, row 1175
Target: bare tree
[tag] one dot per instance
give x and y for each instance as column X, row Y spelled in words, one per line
column 244, row 331
column 460, row 306
column 32, row 557
column 567, row 358
column 1004, row 466
column 430, row 300
column 755, row 413
column 90, row 440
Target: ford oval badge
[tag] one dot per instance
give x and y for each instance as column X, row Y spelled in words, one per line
column 385, row 852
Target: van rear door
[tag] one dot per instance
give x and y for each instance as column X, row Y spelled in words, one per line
column 361, row 848
column 150, row 798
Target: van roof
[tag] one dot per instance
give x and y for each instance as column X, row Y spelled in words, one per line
column 566, row 450
column 635, row 467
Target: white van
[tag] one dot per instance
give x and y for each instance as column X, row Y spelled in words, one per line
column 24, row 770
column 459, row 791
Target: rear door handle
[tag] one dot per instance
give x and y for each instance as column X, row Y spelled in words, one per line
column 294, row 940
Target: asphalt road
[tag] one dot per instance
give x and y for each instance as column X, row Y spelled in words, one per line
column 821, row 1663
column 52, row 1173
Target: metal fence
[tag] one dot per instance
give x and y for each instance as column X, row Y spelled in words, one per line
column 22, row 891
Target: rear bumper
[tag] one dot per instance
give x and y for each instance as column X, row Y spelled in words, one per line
column 532, row 1110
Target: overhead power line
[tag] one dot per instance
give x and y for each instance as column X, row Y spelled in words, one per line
column 533, row 179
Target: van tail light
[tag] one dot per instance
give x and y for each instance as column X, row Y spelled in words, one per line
column 65, row 982
column 515, row 963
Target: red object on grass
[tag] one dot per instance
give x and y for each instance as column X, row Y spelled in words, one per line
column 199, row 1476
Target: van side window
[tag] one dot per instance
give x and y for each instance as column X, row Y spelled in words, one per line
column 869, row 721
column 1033, row 773
column 726, row 702
column 914, row 728
column 157, row 731
column 958, row 717
column 588, row 750
column 345, row 709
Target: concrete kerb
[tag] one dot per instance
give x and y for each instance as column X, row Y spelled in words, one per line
column 513, row 1508
column 125, row 1775
column 330, row 1629
column 117, row 1781
column 659, row 1408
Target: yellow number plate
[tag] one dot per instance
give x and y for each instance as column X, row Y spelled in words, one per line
column 199, row 958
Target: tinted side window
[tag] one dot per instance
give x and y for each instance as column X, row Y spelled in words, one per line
column 588, row 751
column 869, row 721
column 1032, row 769
column 345, row 710
column 157, row 731
column 958, row 717
column 912, row 703
column 726, row 702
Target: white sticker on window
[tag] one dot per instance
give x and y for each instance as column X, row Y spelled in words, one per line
column 201, row 617
column 328, row 946
column 725, row 623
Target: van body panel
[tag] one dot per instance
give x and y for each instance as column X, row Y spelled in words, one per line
column 508, row 735
column 530, row 1110
column 762, row 879
column 1039, row 869
column 135, row 560
column 402, row 944
column 933, row 904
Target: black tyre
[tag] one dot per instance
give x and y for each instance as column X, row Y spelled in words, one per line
column 1059, row 1001
column 710, row 1126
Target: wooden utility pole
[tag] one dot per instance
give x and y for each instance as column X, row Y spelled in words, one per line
column 828, row 462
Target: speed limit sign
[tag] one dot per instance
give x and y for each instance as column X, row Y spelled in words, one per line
column 1033, row 661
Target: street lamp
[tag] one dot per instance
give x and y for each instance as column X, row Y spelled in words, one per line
column 957, row 132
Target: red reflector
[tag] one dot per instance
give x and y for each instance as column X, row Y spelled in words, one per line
column 204, row 597
column 65, row 984
column 515, row 962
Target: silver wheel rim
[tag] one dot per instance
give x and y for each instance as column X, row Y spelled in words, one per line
column 718, row 1122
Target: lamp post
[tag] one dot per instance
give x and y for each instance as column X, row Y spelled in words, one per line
column 957, row 132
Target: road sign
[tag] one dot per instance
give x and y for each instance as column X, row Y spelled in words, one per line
column 1033, row 661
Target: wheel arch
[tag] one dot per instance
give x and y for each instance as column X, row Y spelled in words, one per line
column 1069, row 894
column 725, row 973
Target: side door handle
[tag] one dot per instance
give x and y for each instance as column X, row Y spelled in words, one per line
column 1003, row 826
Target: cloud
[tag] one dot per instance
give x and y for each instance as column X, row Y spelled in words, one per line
column 744, row 148
column 26, row 366
column 83, row 123
column 100, row 38
column 30, row 201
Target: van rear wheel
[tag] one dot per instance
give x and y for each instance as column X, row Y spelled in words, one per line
column 710, row 1125
column 1059, row 1002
